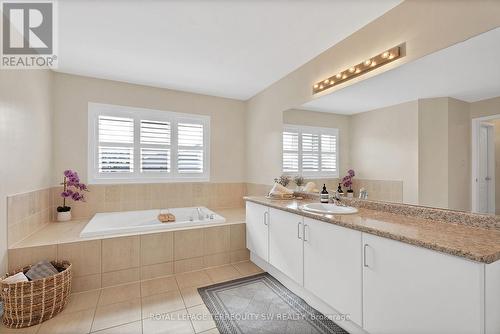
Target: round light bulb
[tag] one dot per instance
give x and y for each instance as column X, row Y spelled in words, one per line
column 344, row 76
column 326, row 81
column 332, row 82
column 373, row 63
column 357, row 70
column 391, row 56
column 352, row 69
column 368, row 62
column 339, row 76
column 320, row 86
column 385, row 54
column 316, row 86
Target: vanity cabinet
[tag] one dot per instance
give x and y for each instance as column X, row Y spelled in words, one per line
column 285, row 244
column 385, row 286
column 257, row 234
column 408, row 289
column 332, row 266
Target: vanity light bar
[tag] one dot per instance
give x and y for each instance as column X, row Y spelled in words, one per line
column 359, row 69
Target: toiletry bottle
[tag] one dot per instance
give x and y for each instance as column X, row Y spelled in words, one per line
column 324, row 198
column 339, row 190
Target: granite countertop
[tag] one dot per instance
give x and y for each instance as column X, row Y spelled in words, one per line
column 474, row 243
column 66, row 232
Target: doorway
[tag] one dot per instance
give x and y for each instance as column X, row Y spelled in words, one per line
column 485, row 132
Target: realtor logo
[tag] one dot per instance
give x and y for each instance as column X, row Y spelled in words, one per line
column 28, row 35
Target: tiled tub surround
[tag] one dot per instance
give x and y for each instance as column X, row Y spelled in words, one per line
column 128, row 197
column 27, row 213
column 474, row 243
column 117, row 260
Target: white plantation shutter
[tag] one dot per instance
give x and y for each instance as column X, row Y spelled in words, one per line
column 154, row 132
column 155, row 146
column 139, row 145
column 290, row 151
column 310, row 151
column 115, row 144
column 190, row 148
column 329, row 153
column 155, row 160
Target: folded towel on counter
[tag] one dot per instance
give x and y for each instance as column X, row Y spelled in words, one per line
column 280, row 192
column 19, row 277
column 41, row 269
column 310, row 187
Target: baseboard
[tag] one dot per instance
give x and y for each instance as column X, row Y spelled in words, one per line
column 311, row 299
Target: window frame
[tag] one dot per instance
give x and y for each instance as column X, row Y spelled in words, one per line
column 137, row 114
column 313, row 130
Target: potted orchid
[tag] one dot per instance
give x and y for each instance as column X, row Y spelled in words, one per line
column 299, row 181
column 347, row 182
column 73, row 189
column 284, row 180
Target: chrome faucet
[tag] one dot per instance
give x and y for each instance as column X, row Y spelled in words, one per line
column 336, row 199
column 200, row 214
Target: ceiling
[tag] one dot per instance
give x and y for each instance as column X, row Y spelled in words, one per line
column 468, row 71
column 225, row 48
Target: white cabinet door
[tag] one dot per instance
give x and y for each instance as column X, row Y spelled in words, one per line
column 285, row 244
column 332, row 266
column 408, row 289
column 257, row 222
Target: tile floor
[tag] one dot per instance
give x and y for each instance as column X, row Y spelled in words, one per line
column 162, row 305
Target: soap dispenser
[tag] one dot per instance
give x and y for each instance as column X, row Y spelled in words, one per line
column 324, row 198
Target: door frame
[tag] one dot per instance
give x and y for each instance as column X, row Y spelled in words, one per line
column 476, row 123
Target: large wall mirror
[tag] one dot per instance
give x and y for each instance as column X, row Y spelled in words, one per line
column 424, row 133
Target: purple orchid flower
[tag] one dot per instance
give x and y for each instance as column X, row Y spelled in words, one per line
column 72, row 187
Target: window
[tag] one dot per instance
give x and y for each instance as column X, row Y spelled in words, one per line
column 310, row 151
column 128, row 145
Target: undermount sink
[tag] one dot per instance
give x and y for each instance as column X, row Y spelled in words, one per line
column 329, row 209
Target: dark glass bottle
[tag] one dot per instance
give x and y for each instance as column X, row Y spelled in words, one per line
column 324, row 198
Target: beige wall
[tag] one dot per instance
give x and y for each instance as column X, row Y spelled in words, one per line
column 459, row 155
column 433, row 152
column 73, row 93
column 327, row 120
column 25, row 138
column 485, row 108
column 414, row 22
column 444, row 153
column 384, row 146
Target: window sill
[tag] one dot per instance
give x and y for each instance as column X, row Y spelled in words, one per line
column 147, row 180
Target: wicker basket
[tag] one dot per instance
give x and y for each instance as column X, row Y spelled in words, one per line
column 30, row 303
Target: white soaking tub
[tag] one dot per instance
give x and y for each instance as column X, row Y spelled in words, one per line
column 129, row 222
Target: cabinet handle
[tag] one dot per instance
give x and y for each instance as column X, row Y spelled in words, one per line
column 298, row 230
column 266, row 216
column 305, row 226
column 364, row 256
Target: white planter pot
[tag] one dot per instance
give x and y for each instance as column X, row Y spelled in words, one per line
column 64, row 216
column 350, row 195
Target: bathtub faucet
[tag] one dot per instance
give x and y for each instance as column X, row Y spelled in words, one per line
column 200, row 214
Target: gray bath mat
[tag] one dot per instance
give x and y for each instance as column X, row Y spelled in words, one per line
column 261, row 304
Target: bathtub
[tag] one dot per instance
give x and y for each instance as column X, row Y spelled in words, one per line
column 129, row 222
